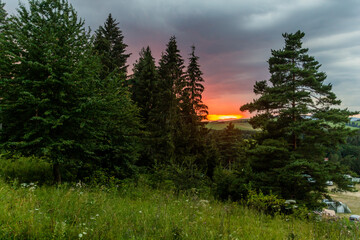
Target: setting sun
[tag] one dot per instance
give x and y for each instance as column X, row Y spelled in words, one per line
column 215, row 117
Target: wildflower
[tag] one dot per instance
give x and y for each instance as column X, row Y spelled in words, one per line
column 140, row 211
column 84, row 233
column 97, row 215
column 80, row 235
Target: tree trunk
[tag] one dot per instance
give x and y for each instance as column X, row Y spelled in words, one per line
column 56, row 173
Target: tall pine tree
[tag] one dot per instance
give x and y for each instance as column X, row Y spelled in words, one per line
column 144, row 87
column 53, row 102
column 51, row 64
column 299, row 124
column 110, row 46
column 3, row 20
column 170, row 90
column 144, row 83
column 194, row 87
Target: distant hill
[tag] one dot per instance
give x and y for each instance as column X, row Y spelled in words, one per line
column 244, row 124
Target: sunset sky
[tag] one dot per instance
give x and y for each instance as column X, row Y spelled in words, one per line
column 234, row 39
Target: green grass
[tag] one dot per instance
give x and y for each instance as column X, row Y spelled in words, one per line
column 129, row 212
column 222, row 125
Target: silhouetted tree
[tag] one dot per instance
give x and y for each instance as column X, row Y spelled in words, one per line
column 169, row 95
column 194, row 87
column 110, row 46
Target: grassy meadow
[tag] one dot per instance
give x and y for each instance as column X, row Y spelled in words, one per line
column 127, row 211
column 240, row 124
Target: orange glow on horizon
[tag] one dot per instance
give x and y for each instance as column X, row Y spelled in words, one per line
column 216, row 117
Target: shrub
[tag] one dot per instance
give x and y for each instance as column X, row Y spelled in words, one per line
column 230, row 184
column 181, row 177
column 268, row 204
column 25, row 169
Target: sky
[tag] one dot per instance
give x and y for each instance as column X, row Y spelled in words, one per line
column 234, row 39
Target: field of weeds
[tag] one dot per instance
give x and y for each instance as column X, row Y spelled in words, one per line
column 139, row 212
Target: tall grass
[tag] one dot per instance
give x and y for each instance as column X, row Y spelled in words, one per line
column 138, row 212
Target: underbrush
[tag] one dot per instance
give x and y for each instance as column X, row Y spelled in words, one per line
column 135, row 211
column 25, row 169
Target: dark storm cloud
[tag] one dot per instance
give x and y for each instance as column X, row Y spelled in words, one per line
column 234, row 38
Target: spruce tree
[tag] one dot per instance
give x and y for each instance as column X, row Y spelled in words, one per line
column 3, row 14
column 110, row 46
column 169, row 95
column 3, row 20
column 53, row 102
column 194, row 86
column 144, row 82
column 192, row 134
column 144, row 87
column 299, row 125
column 50, row 62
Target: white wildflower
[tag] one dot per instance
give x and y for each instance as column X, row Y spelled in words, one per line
column 80, row 235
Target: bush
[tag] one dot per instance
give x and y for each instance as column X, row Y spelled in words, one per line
column 268, row 204
column 181, row 177
column 230, row 184
column 25, row 169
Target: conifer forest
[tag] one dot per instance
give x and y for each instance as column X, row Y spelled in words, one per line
column 76, row 118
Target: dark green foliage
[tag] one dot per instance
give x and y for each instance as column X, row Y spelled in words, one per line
column 231, row 184
column 268, row 204
column 25, row 169
column 182, row 176
column 348, row 154
column 3, row 59
column 43, row 93
column 230, row 144
column 110, row 46
column 168, row 97
column 194, row 87
column 114, row 124
column 144, row 83
column 53, row 102
column 3, row 14
column 292, row 144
